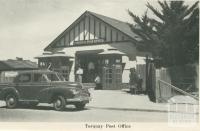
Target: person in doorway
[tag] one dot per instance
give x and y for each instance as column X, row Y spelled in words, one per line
column 91, row 71
column 79, row 74
column 133, row 80
column 139, row 83
column 98, row 83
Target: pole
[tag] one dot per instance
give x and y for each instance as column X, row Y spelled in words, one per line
column 147, row 83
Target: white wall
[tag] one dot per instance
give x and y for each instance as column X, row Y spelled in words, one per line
column 140, row 60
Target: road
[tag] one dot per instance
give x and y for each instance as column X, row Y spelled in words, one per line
column 106, row 106
column 91, row 114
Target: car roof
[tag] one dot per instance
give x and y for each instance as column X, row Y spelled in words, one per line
column 34, row 71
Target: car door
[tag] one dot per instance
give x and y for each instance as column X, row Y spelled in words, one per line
column 23, row 85
column 40, row 87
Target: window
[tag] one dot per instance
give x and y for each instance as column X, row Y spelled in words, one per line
column 39, row 78
column 42, row 64
column 106, row 61
column 63, row 71
column 53, row 77
column 24, row 78
column 117, row 60
column 109, row 75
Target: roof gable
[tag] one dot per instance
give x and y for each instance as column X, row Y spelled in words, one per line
column 121, row 28
column 120, row 25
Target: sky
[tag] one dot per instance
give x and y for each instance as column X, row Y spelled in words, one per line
column 28, row 26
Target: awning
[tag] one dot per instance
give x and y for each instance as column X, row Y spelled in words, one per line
column 53, row 55
column 89, row 52
column 111, row 52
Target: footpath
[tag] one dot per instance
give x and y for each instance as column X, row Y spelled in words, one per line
column 121, row 100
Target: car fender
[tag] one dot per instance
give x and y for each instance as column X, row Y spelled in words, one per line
column 55, row 91
column 8, row 90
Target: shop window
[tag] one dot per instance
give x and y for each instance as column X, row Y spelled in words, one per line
column 106, row 61
column 42, row 64
column 118, row 61
column 108, row 80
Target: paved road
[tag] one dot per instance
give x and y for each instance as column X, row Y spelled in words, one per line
column 46, row 113
column 107, row 106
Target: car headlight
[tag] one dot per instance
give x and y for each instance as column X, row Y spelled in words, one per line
column 74, row 91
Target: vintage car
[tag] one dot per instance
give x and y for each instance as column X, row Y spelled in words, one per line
column 42, row 86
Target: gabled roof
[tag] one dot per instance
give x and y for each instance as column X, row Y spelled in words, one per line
column 17, row 64
column 117, row 24
column 120, row 25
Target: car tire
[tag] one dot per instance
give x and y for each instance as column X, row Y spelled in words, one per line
column 11, row 101
column 59, row 103
column 80, row 106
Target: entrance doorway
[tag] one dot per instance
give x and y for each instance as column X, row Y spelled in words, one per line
column 108, row 67
column 90, row 62
column 112, row 77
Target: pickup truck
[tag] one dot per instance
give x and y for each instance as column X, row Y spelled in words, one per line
column 42, row 86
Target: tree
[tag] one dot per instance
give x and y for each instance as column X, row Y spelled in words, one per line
column 173, row 36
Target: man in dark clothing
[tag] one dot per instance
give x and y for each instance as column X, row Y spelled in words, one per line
column 133, row 80
column 98, row 83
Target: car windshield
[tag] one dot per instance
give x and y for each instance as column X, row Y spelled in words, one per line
column 54, row 77
column 60, row 77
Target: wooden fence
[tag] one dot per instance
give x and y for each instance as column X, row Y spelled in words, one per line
column 165, row 88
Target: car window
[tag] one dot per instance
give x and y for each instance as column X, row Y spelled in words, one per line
column 53, row 77
column 8, row 76
column 24, row 78
column 60, row 77
column 39, row 78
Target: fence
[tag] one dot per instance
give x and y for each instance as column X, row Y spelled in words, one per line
column 166, row 91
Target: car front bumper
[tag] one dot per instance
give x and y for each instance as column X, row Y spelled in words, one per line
column 80, row 99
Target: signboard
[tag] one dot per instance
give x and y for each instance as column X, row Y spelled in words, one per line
column 85, row 42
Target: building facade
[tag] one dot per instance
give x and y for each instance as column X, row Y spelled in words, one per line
column 98, row 44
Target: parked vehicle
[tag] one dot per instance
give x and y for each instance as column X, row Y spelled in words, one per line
column 42, row 86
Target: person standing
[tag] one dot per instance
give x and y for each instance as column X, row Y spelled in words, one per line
column 98, row 82
column 79, row 74
column 91, row 72
column 133, row 80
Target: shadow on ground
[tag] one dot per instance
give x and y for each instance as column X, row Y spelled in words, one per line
column 125, row 109
column 48, row 108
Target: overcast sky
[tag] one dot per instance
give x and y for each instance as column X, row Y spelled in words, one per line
column 28, row 26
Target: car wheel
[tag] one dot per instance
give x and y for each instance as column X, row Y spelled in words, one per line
column 11, row 101
column 80, row 106
column 59, row 103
